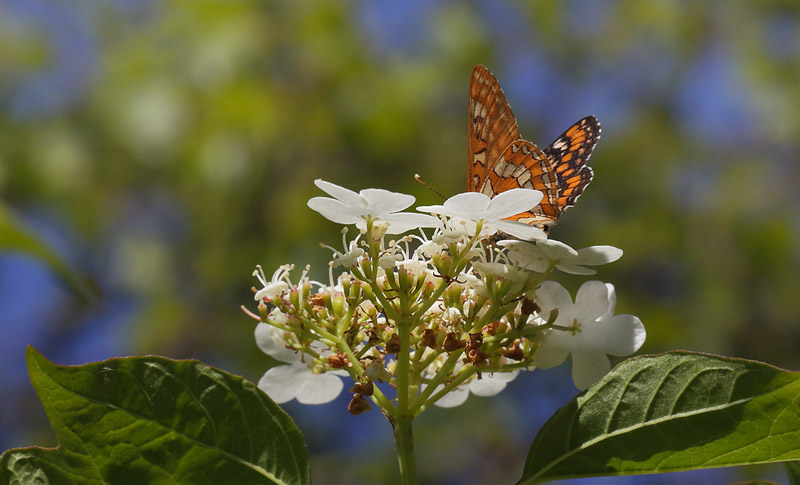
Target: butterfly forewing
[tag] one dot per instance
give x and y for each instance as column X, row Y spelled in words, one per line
column 500, row 160
column 492, row 126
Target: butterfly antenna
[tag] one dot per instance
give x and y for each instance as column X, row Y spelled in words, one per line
column 419, row 179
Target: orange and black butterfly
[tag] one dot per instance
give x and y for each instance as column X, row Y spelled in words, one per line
column 500, row 160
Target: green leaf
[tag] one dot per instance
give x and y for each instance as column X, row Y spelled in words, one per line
column 154, row 420
column 14, row 236
column 671, row 412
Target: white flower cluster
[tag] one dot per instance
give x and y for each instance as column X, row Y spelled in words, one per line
column 436, row 316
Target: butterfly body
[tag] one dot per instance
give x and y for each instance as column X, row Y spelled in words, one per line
column 501, row 160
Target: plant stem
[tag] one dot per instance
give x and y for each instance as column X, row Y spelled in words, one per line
column 404, row 442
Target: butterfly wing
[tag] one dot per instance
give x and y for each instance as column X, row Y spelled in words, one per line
column 492, row 126
column 524, row 165
column 568, row 155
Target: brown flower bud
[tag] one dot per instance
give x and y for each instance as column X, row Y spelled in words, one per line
column 529, row 306
column 491, row 329
column 365, row 389
column 514, row 353
column 393, row 345
column 317, row 299
column 476, row 357
column 475, row 341
column 428, row 338
column 338, row 360
column 358, row 405
column 451, row 342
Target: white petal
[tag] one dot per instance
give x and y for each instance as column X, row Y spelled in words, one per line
column 624, row 335
column 383, row 201
column 271, row 290
column 468, row 205
column 552, row 295
column 612, row 300
column 547, row 356
column 527, row 255
column 595, row 255
column 538, row 265
column 406, row 221
column 491, row 269
column 556, row 250
column 588, row 368
column 518, row 229
column 434, row 209
column 491, row 384
column 592, row 301
column 268, row 344
column 335, row 210
column 319, row 388
column 346, row 196
column 279, row 383
column 454, row 398
column 512, row 202
column 574, row 269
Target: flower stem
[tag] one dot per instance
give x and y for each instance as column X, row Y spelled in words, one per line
column 404, row 443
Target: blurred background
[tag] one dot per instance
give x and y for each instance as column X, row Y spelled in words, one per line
column 164, row 148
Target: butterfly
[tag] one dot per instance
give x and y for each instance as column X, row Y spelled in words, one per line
column 500, row 160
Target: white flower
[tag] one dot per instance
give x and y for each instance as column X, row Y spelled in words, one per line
column 492, row 212
column 501, row 271
column 595, row 332
column 488, row 385
column 539, row 255
column 276, row 285
column 348, row 207
column 296, row 380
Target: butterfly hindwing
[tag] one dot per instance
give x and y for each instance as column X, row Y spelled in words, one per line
column 568, row 155
column 492, row 126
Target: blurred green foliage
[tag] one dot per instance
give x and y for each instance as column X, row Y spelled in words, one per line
column 181, row 140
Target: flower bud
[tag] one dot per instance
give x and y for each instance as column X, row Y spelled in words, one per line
column 366, row 267
column 376, row 372
column 366, row 288
column 262, row 310
column 338, row 304
column 427, row 290
column 513, row 353
column 306, row 287
column 354, row 289
column 428, row 338
column 365, row 389
column 404, row 279
column 491, row 328
column 451, row 342
column 319, row 299
column 393, row 345
column 437, row 262
column 476, row 357
column 529, row 306
column 452, row 296
column 475, row 341
column 358, row 405
column 338, row 360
